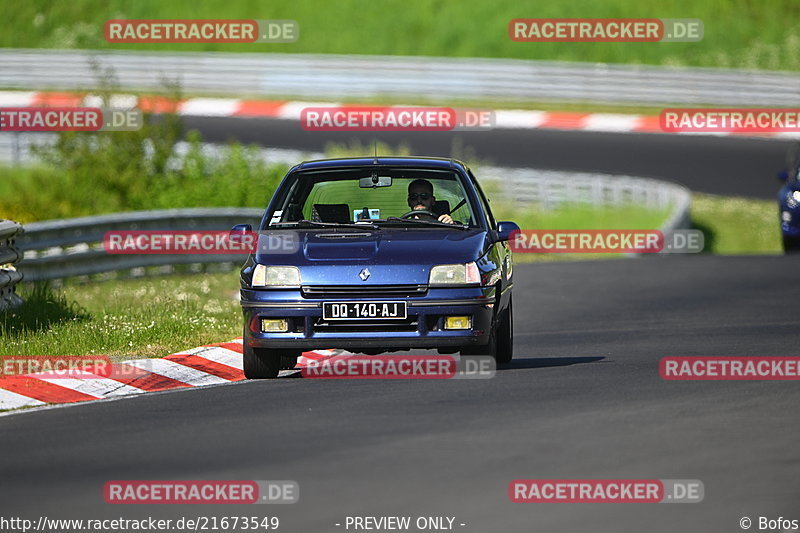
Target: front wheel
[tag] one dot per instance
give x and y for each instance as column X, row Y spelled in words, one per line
column 504, row 345
column 501, row 340
column 791, row 245
column 260, row 363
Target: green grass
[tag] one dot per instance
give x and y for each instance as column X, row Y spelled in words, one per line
column 735, row 225
column 738, row 33
column 43, row 193
column 579, row 217
column 149, row 317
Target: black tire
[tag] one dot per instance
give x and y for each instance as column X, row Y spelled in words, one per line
column 260, row 363
column 288, row 360
column 791, row 245
column 501, row 340
column 504, row 344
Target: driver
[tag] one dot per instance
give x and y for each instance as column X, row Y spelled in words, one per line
column 420, row 197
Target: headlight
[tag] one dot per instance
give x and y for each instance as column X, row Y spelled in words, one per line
column 270, row 276
column 454, row 274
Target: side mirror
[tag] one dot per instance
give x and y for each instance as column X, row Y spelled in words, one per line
column 504, row 230
column 783, row 175
column 241, row 229
column 238, row 233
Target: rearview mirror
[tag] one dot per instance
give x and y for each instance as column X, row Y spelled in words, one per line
column 375, row 181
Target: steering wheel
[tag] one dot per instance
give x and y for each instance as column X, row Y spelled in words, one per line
column 423, row 212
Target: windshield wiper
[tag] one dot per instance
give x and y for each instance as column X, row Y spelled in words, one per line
column 315, row 224
column 434, row 223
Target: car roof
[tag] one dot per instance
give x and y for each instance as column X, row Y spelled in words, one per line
column 393, row 161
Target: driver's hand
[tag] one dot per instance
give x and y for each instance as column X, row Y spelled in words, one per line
column 446, row 219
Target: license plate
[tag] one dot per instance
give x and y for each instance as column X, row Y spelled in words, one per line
column 363, row 310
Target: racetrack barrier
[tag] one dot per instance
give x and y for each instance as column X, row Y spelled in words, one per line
column 9, row 255
column 57, row 249
column 325, row 76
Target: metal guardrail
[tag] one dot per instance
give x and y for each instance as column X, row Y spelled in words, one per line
column 548, row 189
column 59, row 249
column 9, row 254
column 351, row 76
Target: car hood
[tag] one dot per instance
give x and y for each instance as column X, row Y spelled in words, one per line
column 392, row 255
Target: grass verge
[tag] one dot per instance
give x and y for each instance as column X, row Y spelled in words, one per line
column 738, row 33
column 149, row 317
column 734, row 225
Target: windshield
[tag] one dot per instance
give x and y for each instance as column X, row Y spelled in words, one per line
column 375, row 195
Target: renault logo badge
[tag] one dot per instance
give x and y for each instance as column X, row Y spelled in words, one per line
column 364, row 274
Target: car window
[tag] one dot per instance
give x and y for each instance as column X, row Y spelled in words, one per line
column 336, row 196
column 484, row 202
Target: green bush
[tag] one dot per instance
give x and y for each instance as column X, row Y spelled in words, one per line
column 93, row 173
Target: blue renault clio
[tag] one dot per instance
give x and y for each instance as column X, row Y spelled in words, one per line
column 376, row 255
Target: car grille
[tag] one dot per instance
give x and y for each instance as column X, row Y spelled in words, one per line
column 363, row 291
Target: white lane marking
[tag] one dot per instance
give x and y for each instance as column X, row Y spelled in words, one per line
column 17, row 98
column 209, row 107
column 91, row 384
column 177, row 371
column 12, row 400
column 292, row 110
column 117, row 101
column 519, row 119
column 787, row 135
column 610, row 122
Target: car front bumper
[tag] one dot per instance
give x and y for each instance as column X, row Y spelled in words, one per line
column 422, row 329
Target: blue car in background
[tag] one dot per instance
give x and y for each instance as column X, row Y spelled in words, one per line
column 789, row 201
column 374, row 255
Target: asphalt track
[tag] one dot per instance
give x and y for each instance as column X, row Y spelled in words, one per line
column 732, row 166
column 583, row 399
